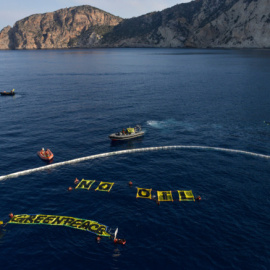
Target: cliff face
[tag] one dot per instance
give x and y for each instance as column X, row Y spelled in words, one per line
column 79, row 26
column 199, row 23
column 5, row 38
column 242, row 24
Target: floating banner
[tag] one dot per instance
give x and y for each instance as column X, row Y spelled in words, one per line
column 144, row 193
column 104, row 186
column 75, row 223
column 164, row 196
column 85, row 184
column 185, row 195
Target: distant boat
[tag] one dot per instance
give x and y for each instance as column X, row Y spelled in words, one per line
column 11, row 93
column 46, row 155
column 127, row 134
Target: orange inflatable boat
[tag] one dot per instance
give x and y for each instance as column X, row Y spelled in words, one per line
column 46, row 155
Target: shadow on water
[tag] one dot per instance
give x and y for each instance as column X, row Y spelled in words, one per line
column 47, row 161
column 129, row 144
column 2, row 232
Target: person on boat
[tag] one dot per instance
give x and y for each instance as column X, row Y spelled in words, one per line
column 42, row 151
column 119, row 241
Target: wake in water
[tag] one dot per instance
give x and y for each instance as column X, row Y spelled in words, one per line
column 147, row 149
column 170, row 124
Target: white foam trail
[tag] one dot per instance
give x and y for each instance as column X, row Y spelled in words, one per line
column 147, row 149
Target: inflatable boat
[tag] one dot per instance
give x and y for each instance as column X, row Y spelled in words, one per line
column 127, row 134
column 11, row 93
column 46, row 155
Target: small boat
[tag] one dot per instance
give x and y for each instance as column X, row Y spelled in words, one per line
column 127, row 134
column 46, row 155
column 11, row 93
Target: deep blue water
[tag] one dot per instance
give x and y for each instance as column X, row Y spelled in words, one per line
column 71, row 100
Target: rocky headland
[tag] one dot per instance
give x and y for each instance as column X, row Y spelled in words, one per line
column 197, row 24
column 81, row 26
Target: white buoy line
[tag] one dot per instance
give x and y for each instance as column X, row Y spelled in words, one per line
column 147, row 149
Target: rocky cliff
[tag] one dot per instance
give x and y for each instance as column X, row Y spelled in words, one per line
column 199, row 24
column 81, row 26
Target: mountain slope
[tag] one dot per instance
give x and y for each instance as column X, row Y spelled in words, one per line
column 79, row 26
column 199, row 24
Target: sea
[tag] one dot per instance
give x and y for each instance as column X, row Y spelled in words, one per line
column 206, row 117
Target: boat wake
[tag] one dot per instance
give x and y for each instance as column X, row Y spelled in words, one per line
column 169, row 123
column 129, row 151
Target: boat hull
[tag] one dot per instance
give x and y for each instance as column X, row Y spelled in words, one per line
column 7, row 93
column 125, row 137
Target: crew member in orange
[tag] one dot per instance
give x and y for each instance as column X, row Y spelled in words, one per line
column 120, row 241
